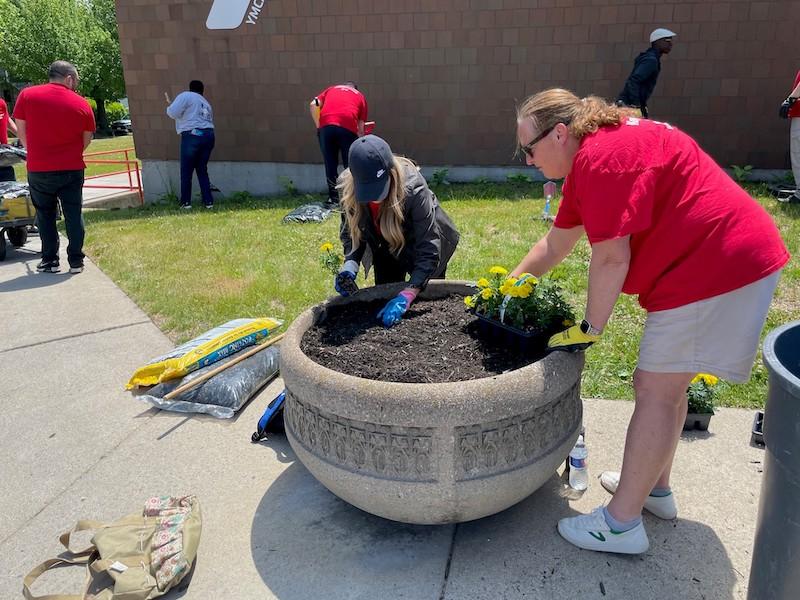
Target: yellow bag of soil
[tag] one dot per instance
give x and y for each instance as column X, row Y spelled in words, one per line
column 212, row 346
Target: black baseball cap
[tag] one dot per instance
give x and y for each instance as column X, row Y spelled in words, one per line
column 370, row 161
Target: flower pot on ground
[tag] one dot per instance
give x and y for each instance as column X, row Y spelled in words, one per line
column 523, row 312
column 700, row 395
column 428, row 453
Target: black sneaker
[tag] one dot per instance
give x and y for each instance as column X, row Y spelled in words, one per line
column 76, row 269
column 50, row 266
column 210, row 205
column 186, row 206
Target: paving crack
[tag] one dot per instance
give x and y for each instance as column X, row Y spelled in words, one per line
column 75, row 336
column 449, row 562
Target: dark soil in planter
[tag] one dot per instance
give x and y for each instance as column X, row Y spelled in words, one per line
column 436, row 342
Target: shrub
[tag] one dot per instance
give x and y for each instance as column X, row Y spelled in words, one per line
column 115, row 111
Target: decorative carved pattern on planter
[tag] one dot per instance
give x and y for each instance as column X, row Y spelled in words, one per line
column 384, row 451
column 492, row 448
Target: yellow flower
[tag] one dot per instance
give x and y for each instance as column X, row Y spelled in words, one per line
column 511, row 280
column 524, row 290
column 529, row 278
column 469, row 301
column 326, row 247
column 708, row 379
column 487, row 293
column 496, row 270
column 506, row 289
column 483, row 282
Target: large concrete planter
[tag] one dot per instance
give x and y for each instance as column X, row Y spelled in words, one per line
column 429, row 453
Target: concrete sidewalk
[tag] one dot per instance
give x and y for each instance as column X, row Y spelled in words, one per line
column 99, row 197
column 75, row 445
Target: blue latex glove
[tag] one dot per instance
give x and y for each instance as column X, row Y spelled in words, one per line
column 393, row 311
column 345, row 283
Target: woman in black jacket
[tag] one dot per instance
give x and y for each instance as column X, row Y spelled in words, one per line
column 392, row 220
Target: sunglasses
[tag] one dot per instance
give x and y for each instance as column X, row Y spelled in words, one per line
column 528, row 148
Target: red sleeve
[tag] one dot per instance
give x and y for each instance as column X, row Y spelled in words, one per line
column 613, row 203
column 568, row 215
column 19, row 107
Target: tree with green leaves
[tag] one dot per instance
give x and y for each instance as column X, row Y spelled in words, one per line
column 34, row 33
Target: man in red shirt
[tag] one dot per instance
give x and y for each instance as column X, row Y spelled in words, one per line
column 790, row 109
column 6, row 123
column 56, row 125
column 665, row 222
column 339, row 113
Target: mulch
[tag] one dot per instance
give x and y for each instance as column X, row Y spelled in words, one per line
column 437, row 341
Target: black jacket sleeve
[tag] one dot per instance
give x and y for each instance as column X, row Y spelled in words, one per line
column 350, row 253
column 420, row 211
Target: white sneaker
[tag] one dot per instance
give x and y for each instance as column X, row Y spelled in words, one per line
column 593, row 533
column 663, row 507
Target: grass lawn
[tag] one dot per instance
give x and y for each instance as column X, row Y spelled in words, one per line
column 122, row 142
column 192, row 271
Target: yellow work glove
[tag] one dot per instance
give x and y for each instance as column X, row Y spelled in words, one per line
column 575, row 339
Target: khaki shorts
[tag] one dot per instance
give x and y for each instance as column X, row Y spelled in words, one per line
column 717, row 335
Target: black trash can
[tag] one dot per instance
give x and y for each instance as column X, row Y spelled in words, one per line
column 775, row 570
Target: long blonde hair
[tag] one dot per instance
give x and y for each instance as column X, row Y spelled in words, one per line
column 390, row 215
column 581, row 115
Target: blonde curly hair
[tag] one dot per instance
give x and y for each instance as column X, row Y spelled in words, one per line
column 582, row 116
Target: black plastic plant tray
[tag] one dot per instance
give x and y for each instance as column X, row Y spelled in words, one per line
column 500, row 333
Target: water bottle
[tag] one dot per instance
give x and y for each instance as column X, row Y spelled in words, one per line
column 549, row 193
column 578, row 469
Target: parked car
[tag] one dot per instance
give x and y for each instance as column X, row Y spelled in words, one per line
column 122, row 126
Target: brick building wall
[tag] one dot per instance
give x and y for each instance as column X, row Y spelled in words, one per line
column 442, row 77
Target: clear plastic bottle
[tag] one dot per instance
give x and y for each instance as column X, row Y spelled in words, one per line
column 579, row 470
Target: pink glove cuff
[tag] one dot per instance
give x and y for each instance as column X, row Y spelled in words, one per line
column 409, row 294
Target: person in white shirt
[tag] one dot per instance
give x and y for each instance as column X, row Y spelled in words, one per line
column 194, row 122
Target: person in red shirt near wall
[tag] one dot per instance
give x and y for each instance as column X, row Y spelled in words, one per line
column 6, row 123
column 666, row 223
column 339, row 113
column 790, row 109
column 56, row 125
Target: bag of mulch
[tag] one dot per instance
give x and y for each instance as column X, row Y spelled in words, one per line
column 138, row 557
column 211, row 347
column 308, row 213
column 224, row 393
column 11, row 155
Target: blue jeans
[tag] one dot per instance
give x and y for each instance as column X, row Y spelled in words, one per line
column 334, row 141
column 195, row 152
column 47, row 188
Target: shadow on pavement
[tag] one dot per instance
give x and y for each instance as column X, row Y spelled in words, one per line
column 519, row 554
column 307, row 543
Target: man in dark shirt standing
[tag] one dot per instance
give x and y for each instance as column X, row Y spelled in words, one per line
column 56, row 125
column 642, row 80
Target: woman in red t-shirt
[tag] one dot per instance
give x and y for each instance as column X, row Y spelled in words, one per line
column 667, row 224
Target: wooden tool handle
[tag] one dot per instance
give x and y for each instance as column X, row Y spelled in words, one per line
column 219, row 369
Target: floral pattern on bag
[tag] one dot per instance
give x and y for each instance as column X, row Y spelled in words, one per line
column 168, row 560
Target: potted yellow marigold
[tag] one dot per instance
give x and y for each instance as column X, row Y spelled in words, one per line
column 524, row 311
column 700, row 395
